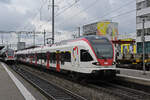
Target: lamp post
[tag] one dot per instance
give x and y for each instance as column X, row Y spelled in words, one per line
column 44, row 37
column 53, row 21
column 143, row 41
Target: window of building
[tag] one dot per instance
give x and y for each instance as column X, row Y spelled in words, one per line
column 148, row 3
column 148, row 31
column 140, row 47
column 139, row 32
column 142, row 5
column 85, row 56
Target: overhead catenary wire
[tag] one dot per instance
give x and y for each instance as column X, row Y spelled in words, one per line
column 89, row 6
column 115, row 10
column 34, row 16
column 127, row 12
column 122, row 14
column 65, row 9
column 106, row 14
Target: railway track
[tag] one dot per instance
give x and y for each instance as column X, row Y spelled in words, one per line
column 118, row 92
column 51, row 91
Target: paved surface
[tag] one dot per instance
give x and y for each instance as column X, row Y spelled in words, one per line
column 135, row 73
column 13, row 90
column 8, row 90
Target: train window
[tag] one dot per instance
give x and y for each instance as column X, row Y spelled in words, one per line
column 53, row 58
column 44, row 57
column 38, row 56
column 50, row 57
column 65, row 57
column 23, row 56
column 62, row 58
column 68, row 57
column 85, row 56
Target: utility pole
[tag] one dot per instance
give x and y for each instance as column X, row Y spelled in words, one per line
column 19, row 33
column 44, row 36
column 53, row 21
column 2, row 38
column 79, row 31
column 34, row 38
column 143, row 40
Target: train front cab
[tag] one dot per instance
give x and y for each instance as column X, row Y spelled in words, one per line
column 98, row 57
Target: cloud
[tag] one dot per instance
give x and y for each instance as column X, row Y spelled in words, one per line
column 5, row 1
column 23, row 15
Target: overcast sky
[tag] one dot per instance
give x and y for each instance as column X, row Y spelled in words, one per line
column 24, row 15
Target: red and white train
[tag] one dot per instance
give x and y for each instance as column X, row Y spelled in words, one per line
column 84, row 55
column 7, row 55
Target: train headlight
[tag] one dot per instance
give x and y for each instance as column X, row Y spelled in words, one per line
column 96, row 63
column 113, row 63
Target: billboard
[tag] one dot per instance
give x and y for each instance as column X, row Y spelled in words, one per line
column 104, row 28
column 108, row 29
column 90, row 29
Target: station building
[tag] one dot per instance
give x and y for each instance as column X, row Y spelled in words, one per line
column 143, row 11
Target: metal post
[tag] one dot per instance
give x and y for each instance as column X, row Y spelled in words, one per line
column 143, row 40
column 34, row 38
column 44, row 36
column 79, row 31
column 2, row 38
column 52, row 21
column 19, row 33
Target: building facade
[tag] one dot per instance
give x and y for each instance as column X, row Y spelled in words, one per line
column 143, row 12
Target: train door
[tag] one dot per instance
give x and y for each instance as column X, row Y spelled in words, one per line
column 58, row 61
column 48, row 60
column 75, row 56
column 35, row 57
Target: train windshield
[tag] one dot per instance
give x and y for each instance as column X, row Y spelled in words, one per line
column 10, row 53
column 103, row 48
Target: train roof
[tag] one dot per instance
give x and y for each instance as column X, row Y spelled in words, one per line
column 89, row 37
column 65, row 43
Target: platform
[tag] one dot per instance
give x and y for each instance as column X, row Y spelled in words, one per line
column 13, row 87
column 135, row 76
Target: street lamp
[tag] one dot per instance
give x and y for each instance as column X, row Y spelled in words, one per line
column 143, row 41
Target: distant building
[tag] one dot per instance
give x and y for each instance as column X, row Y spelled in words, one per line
column 21, row 45
column 102, row 28
column 143, row 9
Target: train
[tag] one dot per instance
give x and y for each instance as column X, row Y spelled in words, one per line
column 87, row 55
column 133, row 61
column 7, row 55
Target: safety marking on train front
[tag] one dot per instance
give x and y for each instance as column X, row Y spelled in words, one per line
column 26, row 94
column 75, row 53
